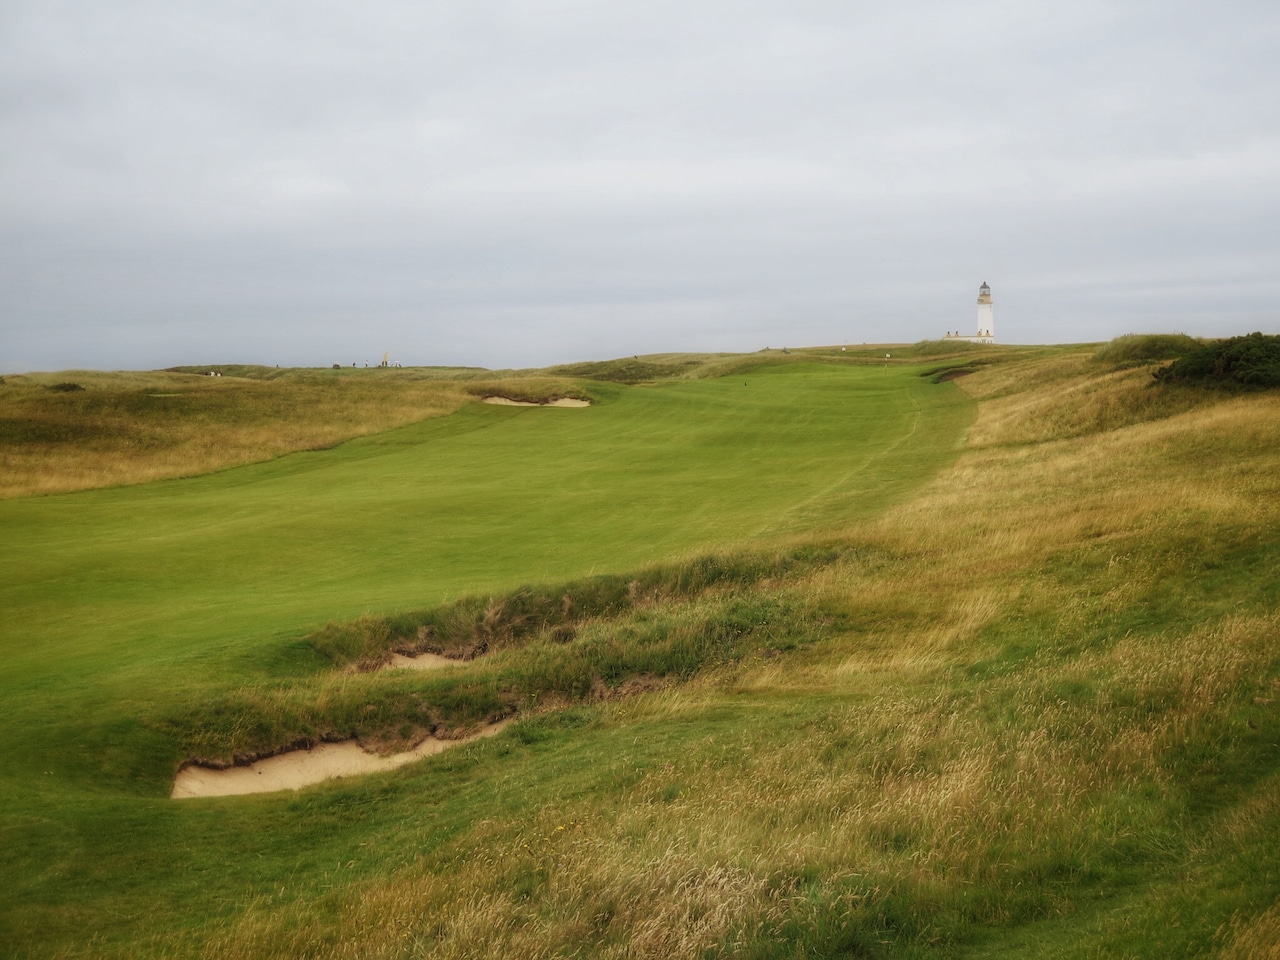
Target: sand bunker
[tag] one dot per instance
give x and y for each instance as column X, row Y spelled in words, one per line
column 401, row 661
column 561, row 402
column 422, row 661
column 301, row 768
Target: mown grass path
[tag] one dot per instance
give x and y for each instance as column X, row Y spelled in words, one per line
column 119, row 599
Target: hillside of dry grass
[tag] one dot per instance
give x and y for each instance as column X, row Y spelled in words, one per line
column 130, row 428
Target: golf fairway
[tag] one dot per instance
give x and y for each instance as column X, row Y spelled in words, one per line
column 121, row 599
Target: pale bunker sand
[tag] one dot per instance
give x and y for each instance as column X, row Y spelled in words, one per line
column 403, row 661
column 420, row 661
column 302, row 768
column 561, row 402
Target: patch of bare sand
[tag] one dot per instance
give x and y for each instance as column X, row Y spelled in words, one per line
column 560, row 402
column 301, row 768
column 421, row 661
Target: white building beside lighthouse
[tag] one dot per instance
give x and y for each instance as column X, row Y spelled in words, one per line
column 986, row 320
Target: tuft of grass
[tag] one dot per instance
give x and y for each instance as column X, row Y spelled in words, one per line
column 937, row 348
column 534, row 389
column 1080, row 398
column 627, row 370
column 1143, row 349
column 473, row 626
column 524, row 651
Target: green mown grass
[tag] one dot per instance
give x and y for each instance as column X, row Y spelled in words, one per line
column 793, row 677
column 126, row 606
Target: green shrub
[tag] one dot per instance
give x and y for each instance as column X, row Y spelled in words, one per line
column 1249, row 361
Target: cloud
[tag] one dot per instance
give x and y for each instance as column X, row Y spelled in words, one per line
column 513, row 183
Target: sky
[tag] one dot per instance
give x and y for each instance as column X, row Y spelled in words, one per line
column 514, row 184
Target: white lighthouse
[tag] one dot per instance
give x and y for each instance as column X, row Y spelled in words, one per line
column 986, row 322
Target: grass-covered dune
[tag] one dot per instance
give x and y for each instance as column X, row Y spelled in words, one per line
column 972, row 654
column 79, row 430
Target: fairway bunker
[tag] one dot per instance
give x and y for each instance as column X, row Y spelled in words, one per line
column 420, row 661
column 407, row 661
column 302, row 768
column 559, row 402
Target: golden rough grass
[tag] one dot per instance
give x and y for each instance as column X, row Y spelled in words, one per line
column 135, row 428
column 1256, row 938
column 925, row 803
column 1073, row 397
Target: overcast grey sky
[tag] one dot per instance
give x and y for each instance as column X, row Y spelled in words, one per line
column 520, row 183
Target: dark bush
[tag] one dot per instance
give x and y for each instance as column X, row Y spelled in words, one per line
column 1249, row 361
column 67, row 387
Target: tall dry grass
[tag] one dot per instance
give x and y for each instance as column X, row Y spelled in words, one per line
column 135, row 428
column 900, row 797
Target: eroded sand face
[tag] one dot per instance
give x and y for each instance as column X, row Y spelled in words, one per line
column 423, row 661
column 562, row 402
column 301, row 768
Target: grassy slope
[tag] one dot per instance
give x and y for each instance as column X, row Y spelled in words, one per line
column 138, row 427
column 1034, row 714
column 487, row 498
column 126, row 602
